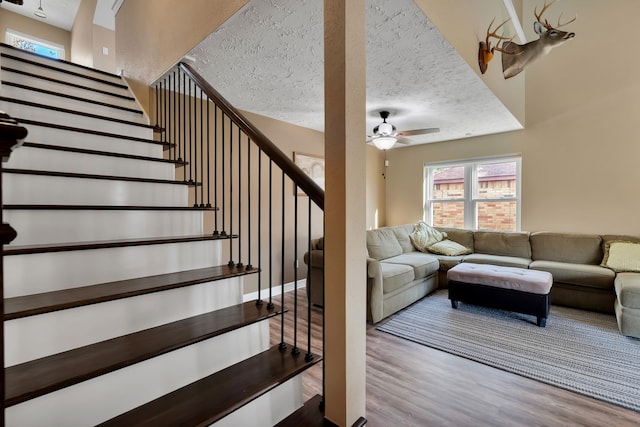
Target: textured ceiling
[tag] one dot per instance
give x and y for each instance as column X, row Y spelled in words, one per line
column 268, row 59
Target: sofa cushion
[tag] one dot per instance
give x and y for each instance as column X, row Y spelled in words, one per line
column 621, row 256
column 592, row 276
column 402, row 234
column 627, row 287
column 566, row 247
column 448, row 247
column 382, row 243
column 505, row 261
column 447, row 262
column 502, row 243
column 395, row 276
column 424, row 235
column 423, row 264
column 464, row 237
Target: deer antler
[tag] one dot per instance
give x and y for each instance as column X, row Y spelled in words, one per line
column 494, row 33
column 546, row 23
column 485, row 52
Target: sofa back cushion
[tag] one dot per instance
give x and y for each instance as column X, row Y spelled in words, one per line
column 566, row 247
column 502, row 243
column 459, row 235
column 402, row 233
column 382, row 243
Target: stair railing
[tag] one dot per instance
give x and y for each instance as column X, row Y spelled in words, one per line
column 234, row 169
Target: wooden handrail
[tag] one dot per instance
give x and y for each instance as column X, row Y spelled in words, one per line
column 302, row 180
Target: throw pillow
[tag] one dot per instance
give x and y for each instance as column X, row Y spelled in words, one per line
column 424, row 235
column 621, row 256
column 449, row 248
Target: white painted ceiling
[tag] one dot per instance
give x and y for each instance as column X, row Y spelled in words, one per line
column 268, row 59
column 60, row 13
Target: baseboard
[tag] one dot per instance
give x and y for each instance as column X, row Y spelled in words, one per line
column 276, row 290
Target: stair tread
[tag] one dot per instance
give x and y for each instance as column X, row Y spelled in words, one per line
column 66, row 83
column 75, row 112
column 309, row 415
column 23, row 121
column 75, row 98
column 41, row 376
column 102, row 244
column 212, row 398
column 46, row 302
column 92, row 176
column 101, row 153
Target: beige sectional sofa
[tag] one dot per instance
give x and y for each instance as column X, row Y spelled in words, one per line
column 398, row 274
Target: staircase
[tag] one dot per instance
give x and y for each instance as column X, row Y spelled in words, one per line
column 119, row 308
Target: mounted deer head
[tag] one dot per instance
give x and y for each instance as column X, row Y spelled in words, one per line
column 485, row 51
column 516, row 57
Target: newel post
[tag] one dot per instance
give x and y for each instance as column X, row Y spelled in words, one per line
column 11, row 136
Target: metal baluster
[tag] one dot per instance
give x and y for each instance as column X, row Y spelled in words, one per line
column 175, row 115
column 295, row 351
column 216, row 232
column 240, row 236
column 249, row 266
column 223, row 176
column 282, row 253
column 270, row 305
column 231, row 263
column 201, row 150
column 259, row 301
column 208, row 205
column 184, row 124
column 309, row 356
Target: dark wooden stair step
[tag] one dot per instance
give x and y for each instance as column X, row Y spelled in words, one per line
column 35, row 378
column 210, row 399
column 66, row 83
column 92, row 176
column 22, row 121
column 73, row 112
column 75, row 98
column 103, row 244
column 46, row 302
column 310, row 414
column 101, row 153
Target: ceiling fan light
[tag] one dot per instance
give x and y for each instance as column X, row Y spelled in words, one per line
column 385, row 129
column 40, row 12
column 384, row 142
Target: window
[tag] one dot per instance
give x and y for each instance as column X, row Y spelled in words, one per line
column 476, row 194
column 35, row 45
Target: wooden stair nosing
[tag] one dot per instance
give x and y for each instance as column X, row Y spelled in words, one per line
column 72, row 97
column 26, row 207
column 212, row 398
column 69, row 72
column 104, row 244
column 46, row 302
column 35, row 378
column 309, row 415
column 105, row 177
column 66, row 83
column 102, row 153
column 92, row 132
column 75, row 112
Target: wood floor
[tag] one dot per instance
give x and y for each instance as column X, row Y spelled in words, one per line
column 409, row 384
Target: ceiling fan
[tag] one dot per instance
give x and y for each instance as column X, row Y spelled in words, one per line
column 385, row 135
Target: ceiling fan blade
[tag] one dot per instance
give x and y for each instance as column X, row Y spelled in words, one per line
column 418, row 131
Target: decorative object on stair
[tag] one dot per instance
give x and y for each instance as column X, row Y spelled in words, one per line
column 581, row 351
column 40, row 12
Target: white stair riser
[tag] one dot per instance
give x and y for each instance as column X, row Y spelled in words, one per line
column 104, row 397
column 58, row 75
column 66, row 119
column 38, row 336
column 35, row 273
column 268, row 409
column 8, row 76
column 59, row 65
column 59, row 226
column 61, row 161
column 87, row 141
column 72, row 104
column 48, row 190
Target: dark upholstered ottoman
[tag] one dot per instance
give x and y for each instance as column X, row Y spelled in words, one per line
column 507, row 288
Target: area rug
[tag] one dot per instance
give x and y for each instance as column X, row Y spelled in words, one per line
column 578, row 350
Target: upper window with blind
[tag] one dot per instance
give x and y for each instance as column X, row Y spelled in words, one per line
column 482, row 194
column 34, row 44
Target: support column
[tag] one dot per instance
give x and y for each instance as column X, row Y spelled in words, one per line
column 345, row 215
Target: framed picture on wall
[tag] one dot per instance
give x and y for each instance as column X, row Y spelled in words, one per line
column 313, row 166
